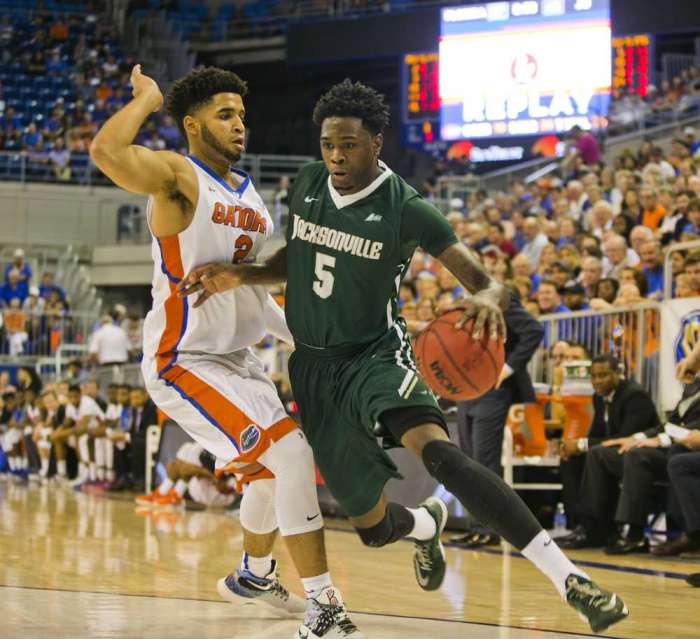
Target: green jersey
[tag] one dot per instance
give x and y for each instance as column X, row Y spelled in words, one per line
column 347, row 254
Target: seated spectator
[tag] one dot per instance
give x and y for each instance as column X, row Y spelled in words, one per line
column 13, row 288
column 548, row 298
column 15, row 320
column 683, row 471
column 522, row 267
column 622, row 225
column 522, row 287
column 426, row 284
column 638, row 236
column 48, row 285
column 476, row 237
column 591, row 273
column 692, row 269
column 109, row 344
column 652, row 212
column 600, row 219
column 692, row 225
column 567, row 232
column 605, row 294
column 496, row 236
column 59, row 160
column 591, row 467
column 683, row 287
column 407, row 293
column 548, row 255
column 638, row 278
column 535, row 240
column 646, row 460
column 616, row 256
column 560, row 274
column 19, row 264
column 652, row 267
column 574, row 297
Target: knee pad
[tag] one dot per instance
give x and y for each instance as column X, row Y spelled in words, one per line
column 397, row 523
column 296, row 500
column 257, row 513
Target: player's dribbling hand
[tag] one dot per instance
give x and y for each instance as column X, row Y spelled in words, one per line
column 142, row 85
column 209, row 279
column 485, row 313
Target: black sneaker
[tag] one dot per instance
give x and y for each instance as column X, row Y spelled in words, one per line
column 598, row 607
column 429, row 555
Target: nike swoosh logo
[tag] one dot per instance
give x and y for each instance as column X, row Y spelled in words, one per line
column 312, row 518
column 304, row 636
column 546, row 543
column 308, row 199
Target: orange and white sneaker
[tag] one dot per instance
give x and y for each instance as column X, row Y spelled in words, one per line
column 148, row 500
column 170, row 499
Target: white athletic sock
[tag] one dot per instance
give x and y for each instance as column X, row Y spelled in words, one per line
column 181, row 487
column 12, row 461
column 424, row 526
column 92, row 471
column 165, row 486
column 82, row 470
column 314, row 586
column 110, row 474
column 23, row 463
column 551, row 561
column 100, row 473
column 44, row 466
column 259, row 566
column 61, row 467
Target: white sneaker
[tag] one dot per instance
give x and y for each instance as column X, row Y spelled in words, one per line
column 243, row 587
column 326, row 618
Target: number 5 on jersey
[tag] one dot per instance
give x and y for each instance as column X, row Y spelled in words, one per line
column 323, row 285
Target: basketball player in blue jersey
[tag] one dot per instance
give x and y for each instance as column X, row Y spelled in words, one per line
column 354, row 225
column 198, row 364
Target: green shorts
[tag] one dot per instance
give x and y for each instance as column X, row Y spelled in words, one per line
column 341, row 397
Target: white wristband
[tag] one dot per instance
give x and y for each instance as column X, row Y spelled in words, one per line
column 665, row 440
column 582, row 444
column 639, row 437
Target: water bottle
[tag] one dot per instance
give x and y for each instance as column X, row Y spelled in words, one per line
column 559, row 520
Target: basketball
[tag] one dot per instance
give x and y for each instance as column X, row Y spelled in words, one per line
column 452, row 363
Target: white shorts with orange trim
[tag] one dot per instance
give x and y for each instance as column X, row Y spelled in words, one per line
column 226, row 403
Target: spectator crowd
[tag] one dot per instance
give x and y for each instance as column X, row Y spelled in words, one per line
column 61, row 77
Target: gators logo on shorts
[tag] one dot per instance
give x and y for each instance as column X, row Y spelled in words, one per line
column 249, row 438
column 688, row 335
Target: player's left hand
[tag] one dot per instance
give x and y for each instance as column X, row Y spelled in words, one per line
column 209, row 279
column 487, row 315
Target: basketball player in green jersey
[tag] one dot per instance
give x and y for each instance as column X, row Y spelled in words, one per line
column 354, row 225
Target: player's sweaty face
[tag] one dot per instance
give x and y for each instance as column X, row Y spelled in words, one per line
column 350, row 153
column 219, row 126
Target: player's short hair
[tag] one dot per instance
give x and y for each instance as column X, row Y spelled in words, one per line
column 353, row 100
column 74, row 388
column 198, row 87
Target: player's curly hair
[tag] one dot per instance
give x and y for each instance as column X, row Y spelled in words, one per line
column 196, row 89
column 353, row 100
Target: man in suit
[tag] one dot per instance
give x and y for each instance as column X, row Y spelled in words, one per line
column 621, row 408
column 645, row 463
column 481, row 421
column 140, row 413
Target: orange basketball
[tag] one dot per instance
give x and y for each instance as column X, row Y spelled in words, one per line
column 453, row 364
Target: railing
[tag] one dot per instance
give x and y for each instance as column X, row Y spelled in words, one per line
column 668, row 270
column 265, row 170
column 29, row 336
column 630, row 333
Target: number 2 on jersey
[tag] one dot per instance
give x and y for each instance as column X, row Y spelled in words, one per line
column 243, row 245
column 323, row 285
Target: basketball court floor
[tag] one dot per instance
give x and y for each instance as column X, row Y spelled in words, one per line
column 76, row 565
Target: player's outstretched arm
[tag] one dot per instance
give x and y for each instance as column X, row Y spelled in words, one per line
column 132, row 167
column 489, row 297
column 216, row 278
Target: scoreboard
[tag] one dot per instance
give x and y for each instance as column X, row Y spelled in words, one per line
column 631, row 59
column 421, row 87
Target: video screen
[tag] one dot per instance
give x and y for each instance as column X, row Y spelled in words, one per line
column 524, row 68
